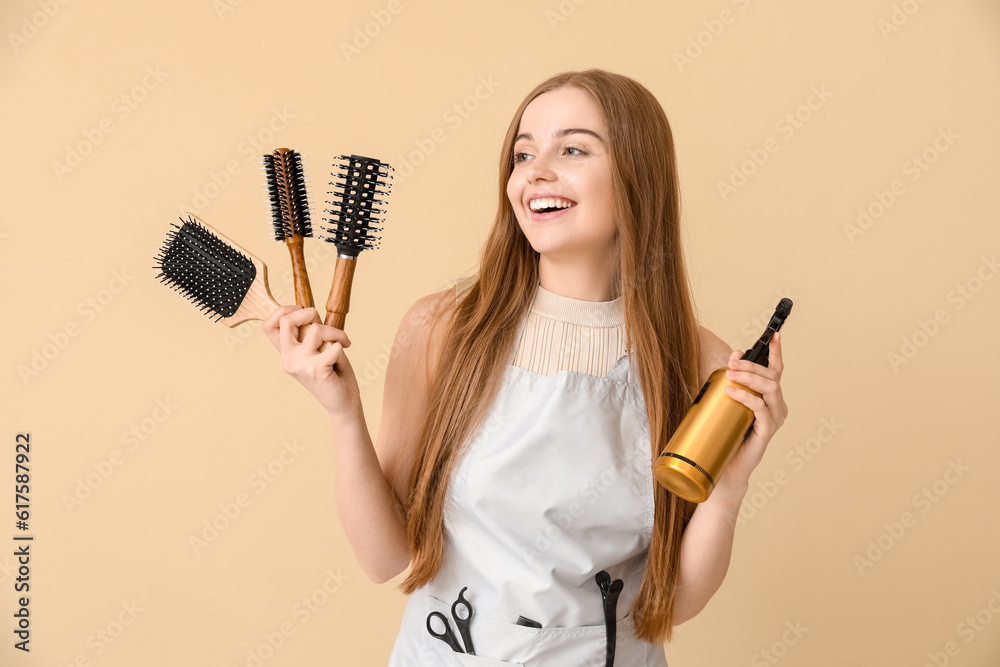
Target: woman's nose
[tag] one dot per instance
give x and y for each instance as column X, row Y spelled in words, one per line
column 540, row 169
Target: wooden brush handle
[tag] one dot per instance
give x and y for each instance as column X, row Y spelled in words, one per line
column 339, row 301
column 303, row 291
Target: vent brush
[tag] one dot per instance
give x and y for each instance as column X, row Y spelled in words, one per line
column 222, row 279
column 286, row 191
column 358, row 185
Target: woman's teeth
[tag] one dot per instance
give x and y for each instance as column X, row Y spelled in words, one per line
column 549, row 203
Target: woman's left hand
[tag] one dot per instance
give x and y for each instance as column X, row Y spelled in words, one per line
column 769, row 411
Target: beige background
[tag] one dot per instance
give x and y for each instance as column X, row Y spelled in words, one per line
column 201, row 79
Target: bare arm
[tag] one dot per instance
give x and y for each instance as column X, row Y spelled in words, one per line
column 707, row 545
column 369, row 480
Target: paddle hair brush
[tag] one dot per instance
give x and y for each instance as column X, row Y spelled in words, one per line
column 358, row 184
column 285, row 182
column 714, row 428
column 222, row 279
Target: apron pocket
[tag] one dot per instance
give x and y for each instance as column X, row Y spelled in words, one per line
column 497, row 644
column 582, row 646
column 502, row 644
column 476, row 661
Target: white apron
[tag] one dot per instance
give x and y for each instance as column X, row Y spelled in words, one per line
column 555, row 486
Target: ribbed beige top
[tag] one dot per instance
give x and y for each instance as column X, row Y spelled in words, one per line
column 561, row 333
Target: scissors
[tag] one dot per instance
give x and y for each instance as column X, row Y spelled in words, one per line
column 448, row 636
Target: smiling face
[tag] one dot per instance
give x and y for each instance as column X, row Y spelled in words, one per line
column 561, row 184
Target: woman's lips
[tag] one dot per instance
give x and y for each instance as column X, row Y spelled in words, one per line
column 539, row 216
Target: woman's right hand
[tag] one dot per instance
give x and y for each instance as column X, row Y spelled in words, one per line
column 313, row 354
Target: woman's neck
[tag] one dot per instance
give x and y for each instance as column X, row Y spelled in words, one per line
column 585, row 281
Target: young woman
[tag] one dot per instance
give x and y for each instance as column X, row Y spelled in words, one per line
column 523, row 411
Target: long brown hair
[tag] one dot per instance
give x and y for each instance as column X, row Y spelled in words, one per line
column 660, row 326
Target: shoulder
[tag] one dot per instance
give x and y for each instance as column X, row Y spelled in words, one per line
column 714, row 352
column 420, row 329
column 430, row 310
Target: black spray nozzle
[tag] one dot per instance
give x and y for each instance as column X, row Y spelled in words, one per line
column 758, row 353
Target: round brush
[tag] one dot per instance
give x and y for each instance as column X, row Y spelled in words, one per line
column 358, row 185
column 285, row 182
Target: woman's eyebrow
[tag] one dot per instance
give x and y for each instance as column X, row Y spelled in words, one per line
column 579, row 130
column 562, row 133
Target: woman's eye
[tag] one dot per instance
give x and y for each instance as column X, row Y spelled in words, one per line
column 573, row 150
column 521, row 157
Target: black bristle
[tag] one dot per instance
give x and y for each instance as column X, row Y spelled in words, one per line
column 289, row 207
column 359, row 182
column 208, row 271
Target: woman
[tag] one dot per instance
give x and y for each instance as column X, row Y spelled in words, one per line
column 515, row 451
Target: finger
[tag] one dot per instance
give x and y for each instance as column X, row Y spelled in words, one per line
column 305, row 316
column 330, row 355
column 332, row 334
column 770, row 399
column 770, row 396
column 774, row 354
column 741, row 369
column 764, row 421
column 289, row 327
column 312, row 335
column 755, row 403
column 270, row 324
column 317, row 335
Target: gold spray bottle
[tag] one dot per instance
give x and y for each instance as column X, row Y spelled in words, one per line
column 714, row 427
